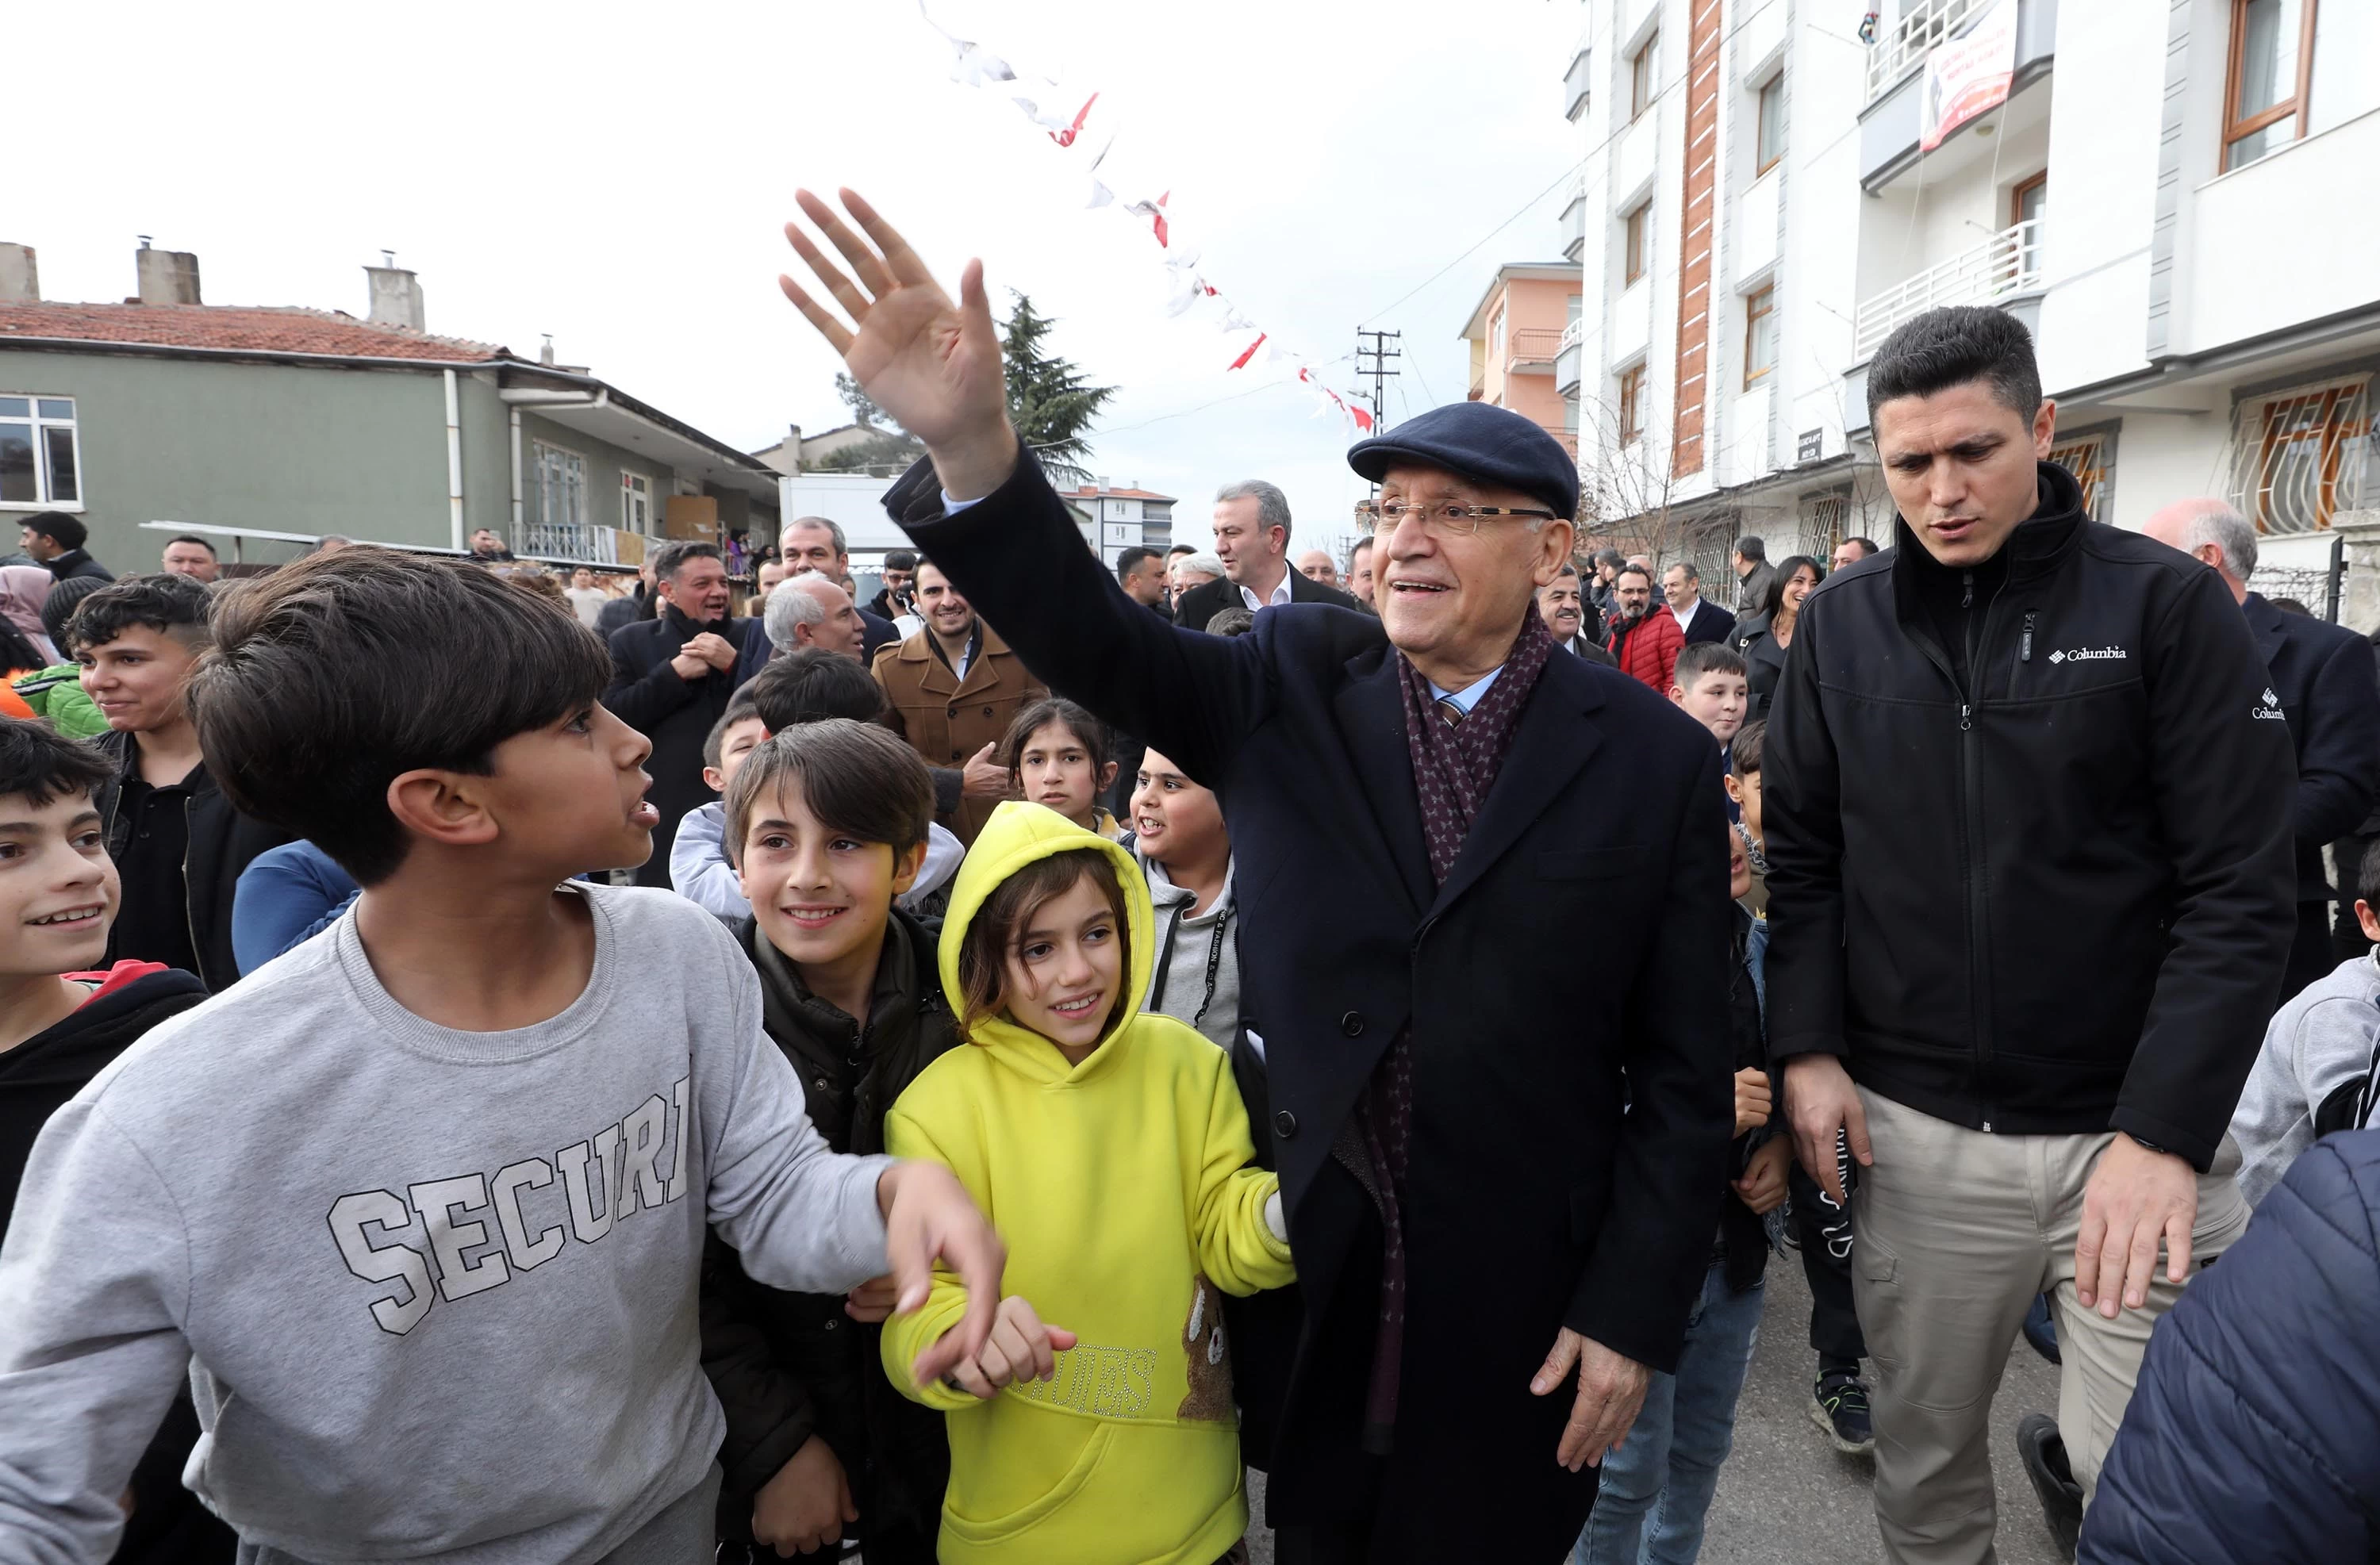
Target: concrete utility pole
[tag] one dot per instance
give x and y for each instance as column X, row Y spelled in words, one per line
column 1379, row 347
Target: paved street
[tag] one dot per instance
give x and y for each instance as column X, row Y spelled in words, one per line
column 1787, row 1497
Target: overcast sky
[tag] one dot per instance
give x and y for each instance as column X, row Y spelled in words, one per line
column 617, row 176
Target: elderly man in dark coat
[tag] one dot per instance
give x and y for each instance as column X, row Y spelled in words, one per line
column 1502, row 1202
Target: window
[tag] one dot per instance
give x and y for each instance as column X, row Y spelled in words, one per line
column 39, row 464
column 1643, row 66
column 1632, row 403
column 561, row 487
column 2028, row 203
column 1639, row 224
column 1496, row 335
column 636, row 503
column 2086, row 457
column 2301, row 457
column 1770, row 140
column 2269, row 64
column 1759, row 334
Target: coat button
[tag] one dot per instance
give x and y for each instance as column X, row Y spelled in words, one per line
column 1284, row 1123
column 832, row 1323
column 986, row 711
column 955, row 755
column 1351, row 1023
column 952, row 712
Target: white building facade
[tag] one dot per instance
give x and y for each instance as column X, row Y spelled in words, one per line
column 2175, row 197
column 1113, row 518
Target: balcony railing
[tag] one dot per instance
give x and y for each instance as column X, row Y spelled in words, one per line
column 2007, row 262
column 1533, row 345
column 1576, row 83
column 1929, row 22
column 577, row 541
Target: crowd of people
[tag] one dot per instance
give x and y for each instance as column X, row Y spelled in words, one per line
column 498, row 1069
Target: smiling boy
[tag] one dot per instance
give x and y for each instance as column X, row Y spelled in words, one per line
column 179, row 843
column 429, row 1193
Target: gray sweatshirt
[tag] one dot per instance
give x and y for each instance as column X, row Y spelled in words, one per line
column 435, row 1290
column 2321, row 1037
column 1177, row 980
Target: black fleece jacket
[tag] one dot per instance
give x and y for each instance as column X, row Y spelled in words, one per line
column 2029, row 835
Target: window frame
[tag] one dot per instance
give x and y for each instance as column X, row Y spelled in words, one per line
column 2022, row 189
column 2298, row 105
column 1765, row 155
column 636, row 487
column 45, row 494
column 1631, row 404
column 1635, row 233
column 1759, row 305
column 538, row 451
column 1642, row 65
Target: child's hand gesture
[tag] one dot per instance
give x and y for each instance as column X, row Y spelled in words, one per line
column 1762, row 1188
column 1020, row 1348
column 1752, row 1103
column 927, row 1216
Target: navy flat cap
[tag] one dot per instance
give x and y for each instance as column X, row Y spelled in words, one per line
column 1478, row 440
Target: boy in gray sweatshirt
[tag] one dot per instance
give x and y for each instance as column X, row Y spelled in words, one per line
column 419, row 1208
column 2317, row 1053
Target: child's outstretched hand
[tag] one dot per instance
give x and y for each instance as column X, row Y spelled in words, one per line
column 926, row 1214
column 1020, row 1348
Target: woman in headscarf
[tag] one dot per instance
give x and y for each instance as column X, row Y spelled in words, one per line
column 23, row 590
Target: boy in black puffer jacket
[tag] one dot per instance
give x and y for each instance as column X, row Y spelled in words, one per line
column 826, row 823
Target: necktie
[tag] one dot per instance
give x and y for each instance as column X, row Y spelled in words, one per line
column 1448, row 712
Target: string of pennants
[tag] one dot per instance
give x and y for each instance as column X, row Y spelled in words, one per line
column 1076, row 124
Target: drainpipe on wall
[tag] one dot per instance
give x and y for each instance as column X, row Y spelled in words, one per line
column 453, row 461
column 517, row 477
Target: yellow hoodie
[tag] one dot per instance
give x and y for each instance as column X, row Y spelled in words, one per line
column 1125, row 1190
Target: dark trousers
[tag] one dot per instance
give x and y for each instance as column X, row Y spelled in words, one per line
column 1824, row 1230
column 2312, row 954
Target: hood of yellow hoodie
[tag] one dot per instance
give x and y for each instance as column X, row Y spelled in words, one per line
column 1016, row 836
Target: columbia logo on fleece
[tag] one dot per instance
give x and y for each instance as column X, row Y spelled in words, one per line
column 2091, row 655
column 2271, row 710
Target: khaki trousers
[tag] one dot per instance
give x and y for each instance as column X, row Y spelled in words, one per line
column 1957, row 1231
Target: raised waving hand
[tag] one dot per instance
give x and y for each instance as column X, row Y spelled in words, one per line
column 933, row 364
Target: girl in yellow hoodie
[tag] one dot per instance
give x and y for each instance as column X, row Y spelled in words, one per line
column 1111, row 1149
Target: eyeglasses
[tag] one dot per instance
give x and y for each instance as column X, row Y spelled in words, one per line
column 1446, row 518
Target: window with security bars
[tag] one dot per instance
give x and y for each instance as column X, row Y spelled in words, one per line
column 1822, row 525
column 2087, row 459
column 2301, row 457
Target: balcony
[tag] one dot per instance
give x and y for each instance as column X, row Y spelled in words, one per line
column 1573, row 221
column 580, row 544
column 1929, row 22
column 2007, row 265
column 1575, row 85
column 1892, row 120
column 1566, row 358
column 1532, row 350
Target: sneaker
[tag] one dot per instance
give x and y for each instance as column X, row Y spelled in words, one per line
column 1838, row 1406
column 2044, row 1454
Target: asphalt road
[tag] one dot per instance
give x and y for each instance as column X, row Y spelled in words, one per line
column 1787, row 1497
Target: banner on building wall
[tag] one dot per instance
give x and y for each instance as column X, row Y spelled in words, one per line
column 1969, row 75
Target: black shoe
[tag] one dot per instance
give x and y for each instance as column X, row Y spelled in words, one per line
column 1838, row 1406
column 2044, row 1454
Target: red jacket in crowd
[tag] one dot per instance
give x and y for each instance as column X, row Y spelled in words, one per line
column 1647, row 649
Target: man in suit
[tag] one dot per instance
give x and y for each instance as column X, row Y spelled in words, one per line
column 952, row 689
column 1698, row 616
column 1252, row 539
column 1431, row 810
column 1576, row 627
column 670, row 678
column 2323, row 683
column 815, row 543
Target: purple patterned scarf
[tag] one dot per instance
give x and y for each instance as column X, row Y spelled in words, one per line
column 1454, row 767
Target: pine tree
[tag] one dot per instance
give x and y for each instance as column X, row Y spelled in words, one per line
column 1050, row 400
column 863, row 406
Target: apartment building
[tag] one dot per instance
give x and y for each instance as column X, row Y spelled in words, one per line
column 1515, row 331
column 2168, row 192
column 1713, row 221
column 1113, row 517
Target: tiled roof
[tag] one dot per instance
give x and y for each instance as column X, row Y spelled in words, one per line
column 235, row 328
column 1088, row 492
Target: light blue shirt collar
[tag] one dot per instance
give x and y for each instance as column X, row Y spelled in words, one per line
column 1469, row 695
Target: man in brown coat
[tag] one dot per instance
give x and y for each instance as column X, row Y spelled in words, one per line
column 954, row 688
